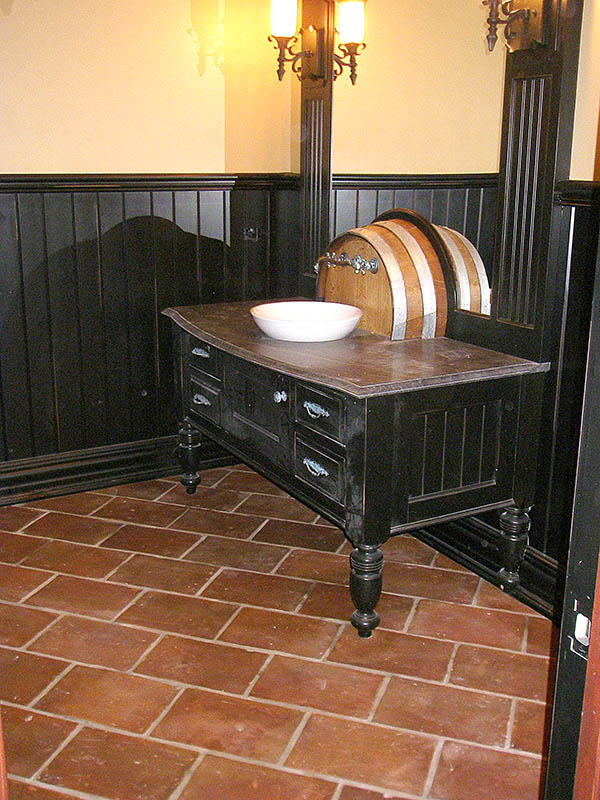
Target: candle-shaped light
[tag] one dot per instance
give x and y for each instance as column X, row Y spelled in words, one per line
column 283, row 18
column 351, row 21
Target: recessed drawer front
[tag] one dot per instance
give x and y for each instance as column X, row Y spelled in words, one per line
column 319, row 410
column 204, row 400
column 323, row 471
column 204, row 357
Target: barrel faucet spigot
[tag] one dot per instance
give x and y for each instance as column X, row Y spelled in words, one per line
column 359, row 264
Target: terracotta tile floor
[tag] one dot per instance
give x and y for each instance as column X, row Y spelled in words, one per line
column 157, row 646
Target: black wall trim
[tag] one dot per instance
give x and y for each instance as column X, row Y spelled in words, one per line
column 434, row 181
column 108, row 182
column 578, row 193
column 97, row 467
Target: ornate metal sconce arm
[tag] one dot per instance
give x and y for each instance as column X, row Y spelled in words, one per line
column 498, row 7
column 285, row 45
column 359, row 264
column 350, row 50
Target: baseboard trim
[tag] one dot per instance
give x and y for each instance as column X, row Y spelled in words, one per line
column 475, row 544
column 82, row 470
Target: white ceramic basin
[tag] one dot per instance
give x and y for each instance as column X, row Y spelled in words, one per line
column 306, row 321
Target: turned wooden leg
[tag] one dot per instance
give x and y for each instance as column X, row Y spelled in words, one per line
column 188, row 453
column 366, row 564
column 514, row 524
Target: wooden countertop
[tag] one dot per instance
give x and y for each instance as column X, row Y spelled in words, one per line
column 362, row 364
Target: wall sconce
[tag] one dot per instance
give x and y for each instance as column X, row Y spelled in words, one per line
column 310, row 62
column 351, row 30
column 511, row 16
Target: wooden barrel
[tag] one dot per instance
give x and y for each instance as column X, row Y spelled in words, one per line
column 420, row 271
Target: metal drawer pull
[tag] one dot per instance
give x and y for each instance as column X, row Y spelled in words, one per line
column 200, row 351
column 280, row 396
column 315, row 411
column 315, row 468
column 201, row 400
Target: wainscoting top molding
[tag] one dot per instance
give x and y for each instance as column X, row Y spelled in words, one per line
column 442, row 181
column 106, row 182
column 577, row 193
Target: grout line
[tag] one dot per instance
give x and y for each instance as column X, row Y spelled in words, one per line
column 158, row 719
column 142, row 591
column 208, row 582
column 45, row 787
column 69, row 667
column 182, row 556
column 342, row 627
column 227, row 623
column 337, row 792
column 257, row 530
column 377, row 699
column 305, row 597
column 293, row 739
column 433, row 766
column 42, row 585
column 511, row 723
column 79, row 727
column 131, row 670
column 446, row 679
column 176, row 793
column 411, row 614
column 258, row 675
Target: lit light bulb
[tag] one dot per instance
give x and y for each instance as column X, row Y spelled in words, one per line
column 351, row 21
column 283, row 18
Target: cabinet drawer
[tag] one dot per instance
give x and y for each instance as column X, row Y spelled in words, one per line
column 204, row 401
column 319, row 410
column 323, row 471
column 204, row 358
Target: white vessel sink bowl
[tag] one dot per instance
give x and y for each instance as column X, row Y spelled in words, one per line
column 306, row 321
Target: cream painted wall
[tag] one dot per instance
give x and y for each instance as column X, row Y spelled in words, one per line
column 586, row 132
column 428, row 96
column 106, row 87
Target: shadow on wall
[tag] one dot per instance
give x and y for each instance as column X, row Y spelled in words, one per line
column 207, row 31
column 85, row 355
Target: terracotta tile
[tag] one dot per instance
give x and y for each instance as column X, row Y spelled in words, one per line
column 214, row 498
column 299, row 534
column 250, row 482
column 394, row 652
column 273, row 630
column 277, row 507
column 408, row 550
column 326, row 567
column 323, row 686
column 85, row 530
column 25, row 675
column 235, row 553
column 75, row 559
column 233, row 780
column 16, row 547
column 229, row 724
column 30, row 738
column 270, row 591
column 501, row 671
column 144, row 512
column 531, row 726
column 354, row 793
column 18, row 624
column 328, row 600
column 190, row 616
column 81, row 596
column 82, row 503
column 94, row 642
column 14, row 518
column 437, row 584
column 114, row 765
column 210, row 477
column 26, row 791
column 490, row 596
column 363, row 753
column 108, row 698
column 443, row 562
column 214, row 666
column 542, row 637
column 202, row 520
column 144, row 490
column 17, row 582
column 159, row 541
column 466, row 771
column 468, row 624
column 164, row 573
column 445, row 711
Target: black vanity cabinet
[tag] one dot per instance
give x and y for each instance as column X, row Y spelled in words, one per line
column 378, row 436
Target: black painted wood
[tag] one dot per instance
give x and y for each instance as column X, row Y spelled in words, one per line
column 87, row 265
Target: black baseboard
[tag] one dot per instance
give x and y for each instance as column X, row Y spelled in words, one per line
column 476, row 545
column 82, row 470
